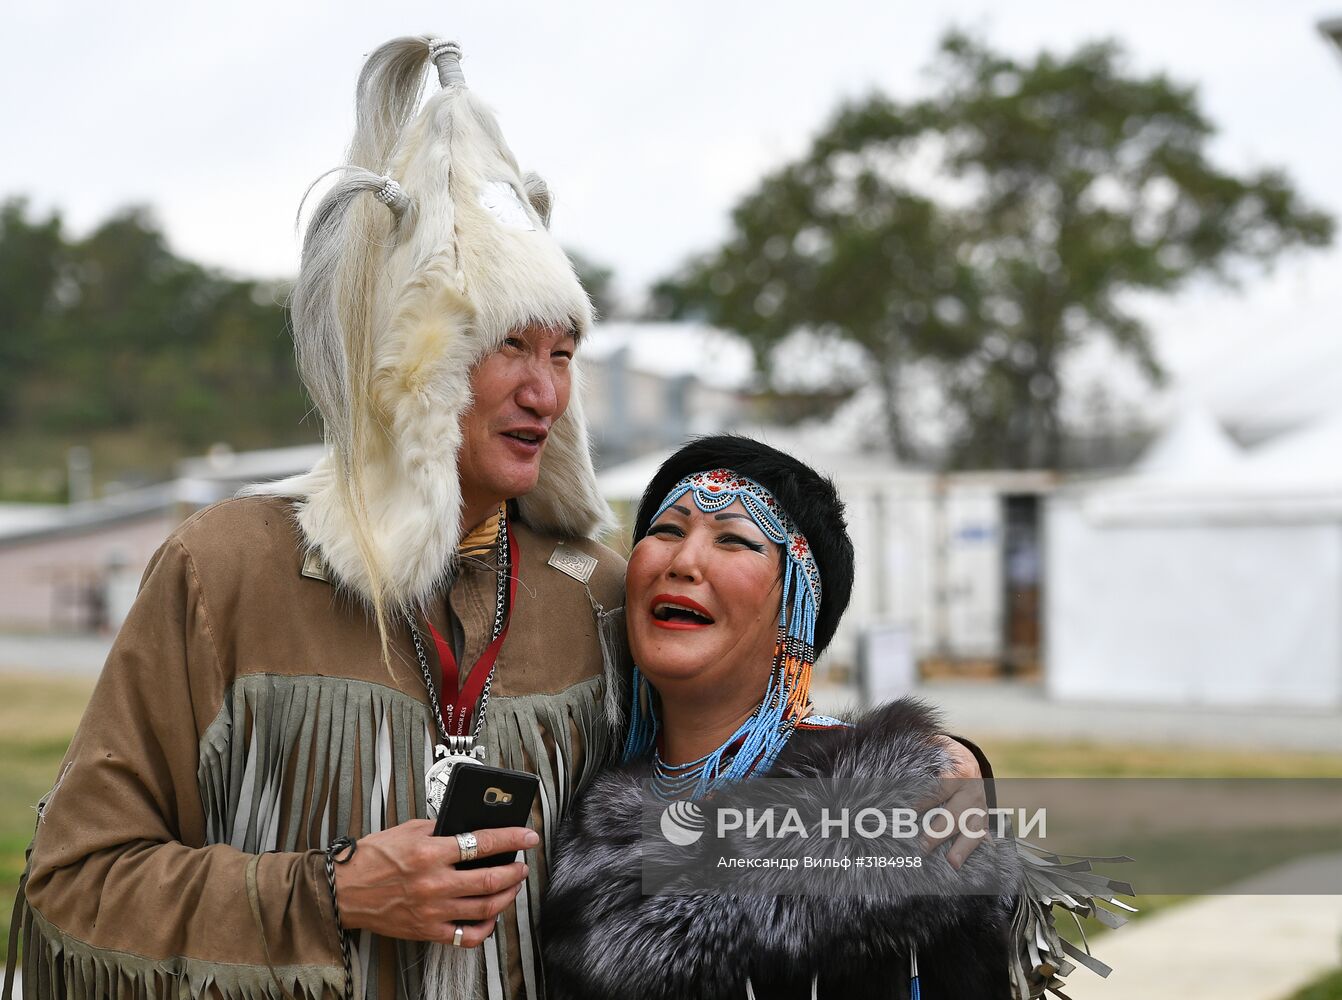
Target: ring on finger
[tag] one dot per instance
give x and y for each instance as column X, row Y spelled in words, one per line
column 468, row 845
column 456, row 937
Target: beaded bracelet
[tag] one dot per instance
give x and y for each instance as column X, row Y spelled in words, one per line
column 349, row 845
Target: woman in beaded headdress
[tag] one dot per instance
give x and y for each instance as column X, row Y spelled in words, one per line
column 741, row 569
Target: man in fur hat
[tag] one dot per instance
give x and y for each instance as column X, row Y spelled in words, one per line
column 296, row 654
column 270, row 691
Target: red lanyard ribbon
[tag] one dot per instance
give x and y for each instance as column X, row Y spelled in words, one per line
column 457, row 706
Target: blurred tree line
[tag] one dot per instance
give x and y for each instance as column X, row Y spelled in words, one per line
column 113, row 340
column 983, row 234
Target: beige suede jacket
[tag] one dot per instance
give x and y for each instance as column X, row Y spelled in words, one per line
column 245, row 719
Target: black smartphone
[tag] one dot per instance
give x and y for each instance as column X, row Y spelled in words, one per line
column 479, row 797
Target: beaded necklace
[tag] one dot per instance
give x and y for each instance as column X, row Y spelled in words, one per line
column 459, row 739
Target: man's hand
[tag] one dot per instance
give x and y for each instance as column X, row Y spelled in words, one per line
column 403, row 883
column 962, row 788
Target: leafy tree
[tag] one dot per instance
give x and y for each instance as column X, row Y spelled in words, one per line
column 114, row 338
column 1092, row 183
column 992, row 229
column 835, row 245
column 31, row 260
column 114, row 335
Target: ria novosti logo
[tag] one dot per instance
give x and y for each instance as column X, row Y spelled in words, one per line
column 682, row 823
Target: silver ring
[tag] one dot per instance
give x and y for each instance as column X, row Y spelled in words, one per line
column 390, row 192
column 456, row 937
column 469, row 847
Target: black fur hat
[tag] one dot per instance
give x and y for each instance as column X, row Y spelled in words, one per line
column 809, row 498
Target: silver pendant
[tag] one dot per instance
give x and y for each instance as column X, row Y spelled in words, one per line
column 435, row 779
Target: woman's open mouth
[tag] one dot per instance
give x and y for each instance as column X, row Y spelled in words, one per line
column 672, row 612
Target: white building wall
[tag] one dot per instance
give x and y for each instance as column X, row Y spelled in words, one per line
column 910, row 545
column 974, row 540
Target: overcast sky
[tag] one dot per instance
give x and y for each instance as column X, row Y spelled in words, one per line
column 649, row 120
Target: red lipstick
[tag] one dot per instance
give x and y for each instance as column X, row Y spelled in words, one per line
column 681, row 622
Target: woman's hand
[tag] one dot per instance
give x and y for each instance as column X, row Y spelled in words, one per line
column 402, row 882
column 962, row 789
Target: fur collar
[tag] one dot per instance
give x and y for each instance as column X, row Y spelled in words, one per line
column 604, row 938
column 414, row 496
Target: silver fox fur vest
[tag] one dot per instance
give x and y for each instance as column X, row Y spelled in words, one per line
column 605, row 939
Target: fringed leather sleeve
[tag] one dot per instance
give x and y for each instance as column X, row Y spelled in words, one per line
column 122, row 895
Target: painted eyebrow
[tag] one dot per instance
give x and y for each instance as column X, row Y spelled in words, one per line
column 717, row 517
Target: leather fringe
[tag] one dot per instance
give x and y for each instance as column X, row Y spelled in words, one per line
column 1040, row 962
column 56, row 965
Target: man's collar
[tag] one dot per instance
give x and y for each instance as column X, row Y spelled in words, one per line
column 480, row 539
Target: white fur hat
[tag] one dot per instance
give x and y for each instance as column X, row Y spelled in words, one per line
column 429, row 250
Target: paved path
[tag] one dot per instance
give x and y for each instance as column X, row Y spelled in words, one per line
column 1023, row 711
column 1228, row 947
column 69, row 656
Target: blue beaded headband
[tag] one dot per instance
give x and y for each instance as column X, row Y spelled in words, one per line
column 716, row 490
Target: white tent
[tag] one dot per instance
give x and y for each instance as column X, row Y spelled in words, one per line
column 1203, row 579
column 1192, row 445
column 1266, row 386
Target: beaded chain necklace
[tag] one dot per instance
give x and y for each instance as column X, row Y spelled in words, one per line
column 454, row 717
column 757, row 742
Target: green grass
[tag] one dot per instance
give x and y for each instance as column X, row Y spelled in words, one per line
column 1038, row 759
column 37, row 718
column 1329, row 987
